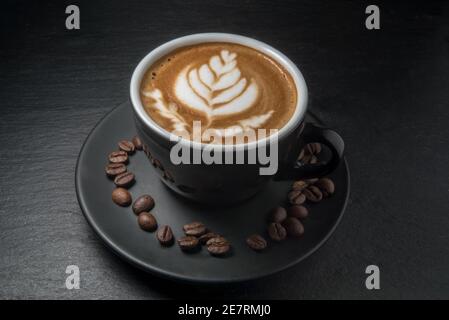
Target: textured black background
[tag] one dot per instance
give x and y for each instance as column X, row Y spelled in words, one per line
column 385, row 91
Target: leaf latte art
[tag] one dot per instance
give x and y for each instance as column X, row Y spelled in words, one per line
column 229, row 88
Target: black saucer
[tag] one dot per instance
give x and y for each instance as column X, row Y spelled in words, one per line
column 118, row 226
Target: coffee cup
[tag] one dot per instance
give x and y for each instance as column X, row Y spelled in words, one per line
column 226, row 182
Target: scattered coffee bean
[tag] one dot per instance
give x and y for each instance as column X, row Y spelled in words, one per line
column 326, row 186
column 147, row 221
column 124, row 179
column 294, row 227
column 309, row 159
column 296, row 197
column 121, row 197
column 299, row 212
column 256, row 242
column 300, row 185
column 143, row 203
column 188, row 243
column 313, row 194
column 276, row 231
column 118, row 157
column 195, row 229
column 207, row 236
column 313, row 148
column 277, row 214
column 157, row 164
column 114, row 169
column 126, row 146
column 137, row 143
column 165, row 236
column 218, row 246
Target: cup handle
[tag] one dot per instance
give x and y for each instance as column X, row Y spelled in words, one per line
column 329, row 138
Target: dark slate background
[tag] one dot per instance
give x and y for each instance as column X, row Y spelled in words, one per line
column 385, row 91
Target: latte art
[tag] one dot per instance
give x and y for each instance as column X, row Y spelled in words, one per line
column 229, row 88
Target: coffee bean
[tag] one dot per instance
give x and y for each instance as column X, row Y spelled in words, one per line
column 301, row 155
column 167, row 176
column 118, row 157
column 299, row 212
column 126, row 146
column 147, row 221
column 143, row 203
column 188, row 243
column 256, row 242
column 309, row 159
column 311, row 181
column 296, row 197
column 137, row 143
column 276, row 231
column 124, row 179
column 313, row 194
column 114, row 169
column 299, row 185
column 195, row 229
column 165, row 236
column 157, row 164
column 313, row 148
column 277, row 214
column 207, row 236
column 326, row 186
column 218, row 246
column 294, row 227
column 121, row 197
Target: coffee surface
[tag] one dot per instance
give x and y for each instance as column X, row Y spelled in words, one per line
column 231, row 89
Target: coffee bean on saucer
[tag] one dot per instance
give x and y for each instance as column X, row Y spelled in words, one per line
column 122, row 197
column 326, row 186
column 313, row 194
column 118, row 157
column 188, row 243
column 296, row 197
column 276, row 231
column 124, row 179
column 218, row 246
column 143, row 203
column 165, row 236
column 195, row 229
column 114, row 169
column 294, row 227
column 299, row 212
column 137, row 143
column 277, row 214
column 127, row 146
column 147, row 221
column 207, row 236
column 256, row 242
column 313, row 148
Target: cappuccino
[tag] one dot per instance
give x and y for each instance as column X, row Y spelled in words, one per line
column 230, row 89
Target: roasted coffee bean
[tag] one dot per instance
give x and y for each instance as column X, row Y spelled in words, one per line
column 143, row 203
column 313, row 148
column 137, row 143
column 218, row 246
column 276, row 231
column 118, row 157
column 157, row 164
column 309, row 159
column 126, row 146
column 294, row 227
column 299, row 212
column 195, row 229
column 147, row 221
column 167, row 176
column 277, row 214
column 114, row 169
column 296, row 197
column 326, row 186
column 207, row 236
column 300, row 185
column 188, row 243
column 121, row 197
column 165, row 236
column 256, row 242
column 301, row 155
column 313, row 194
column 124, row 179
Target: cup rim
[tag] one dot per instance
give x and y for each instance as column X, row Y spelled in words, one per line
column 167, row 47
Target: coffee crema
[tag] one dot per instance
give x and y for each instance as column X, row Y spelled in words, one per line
column 230, row 88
